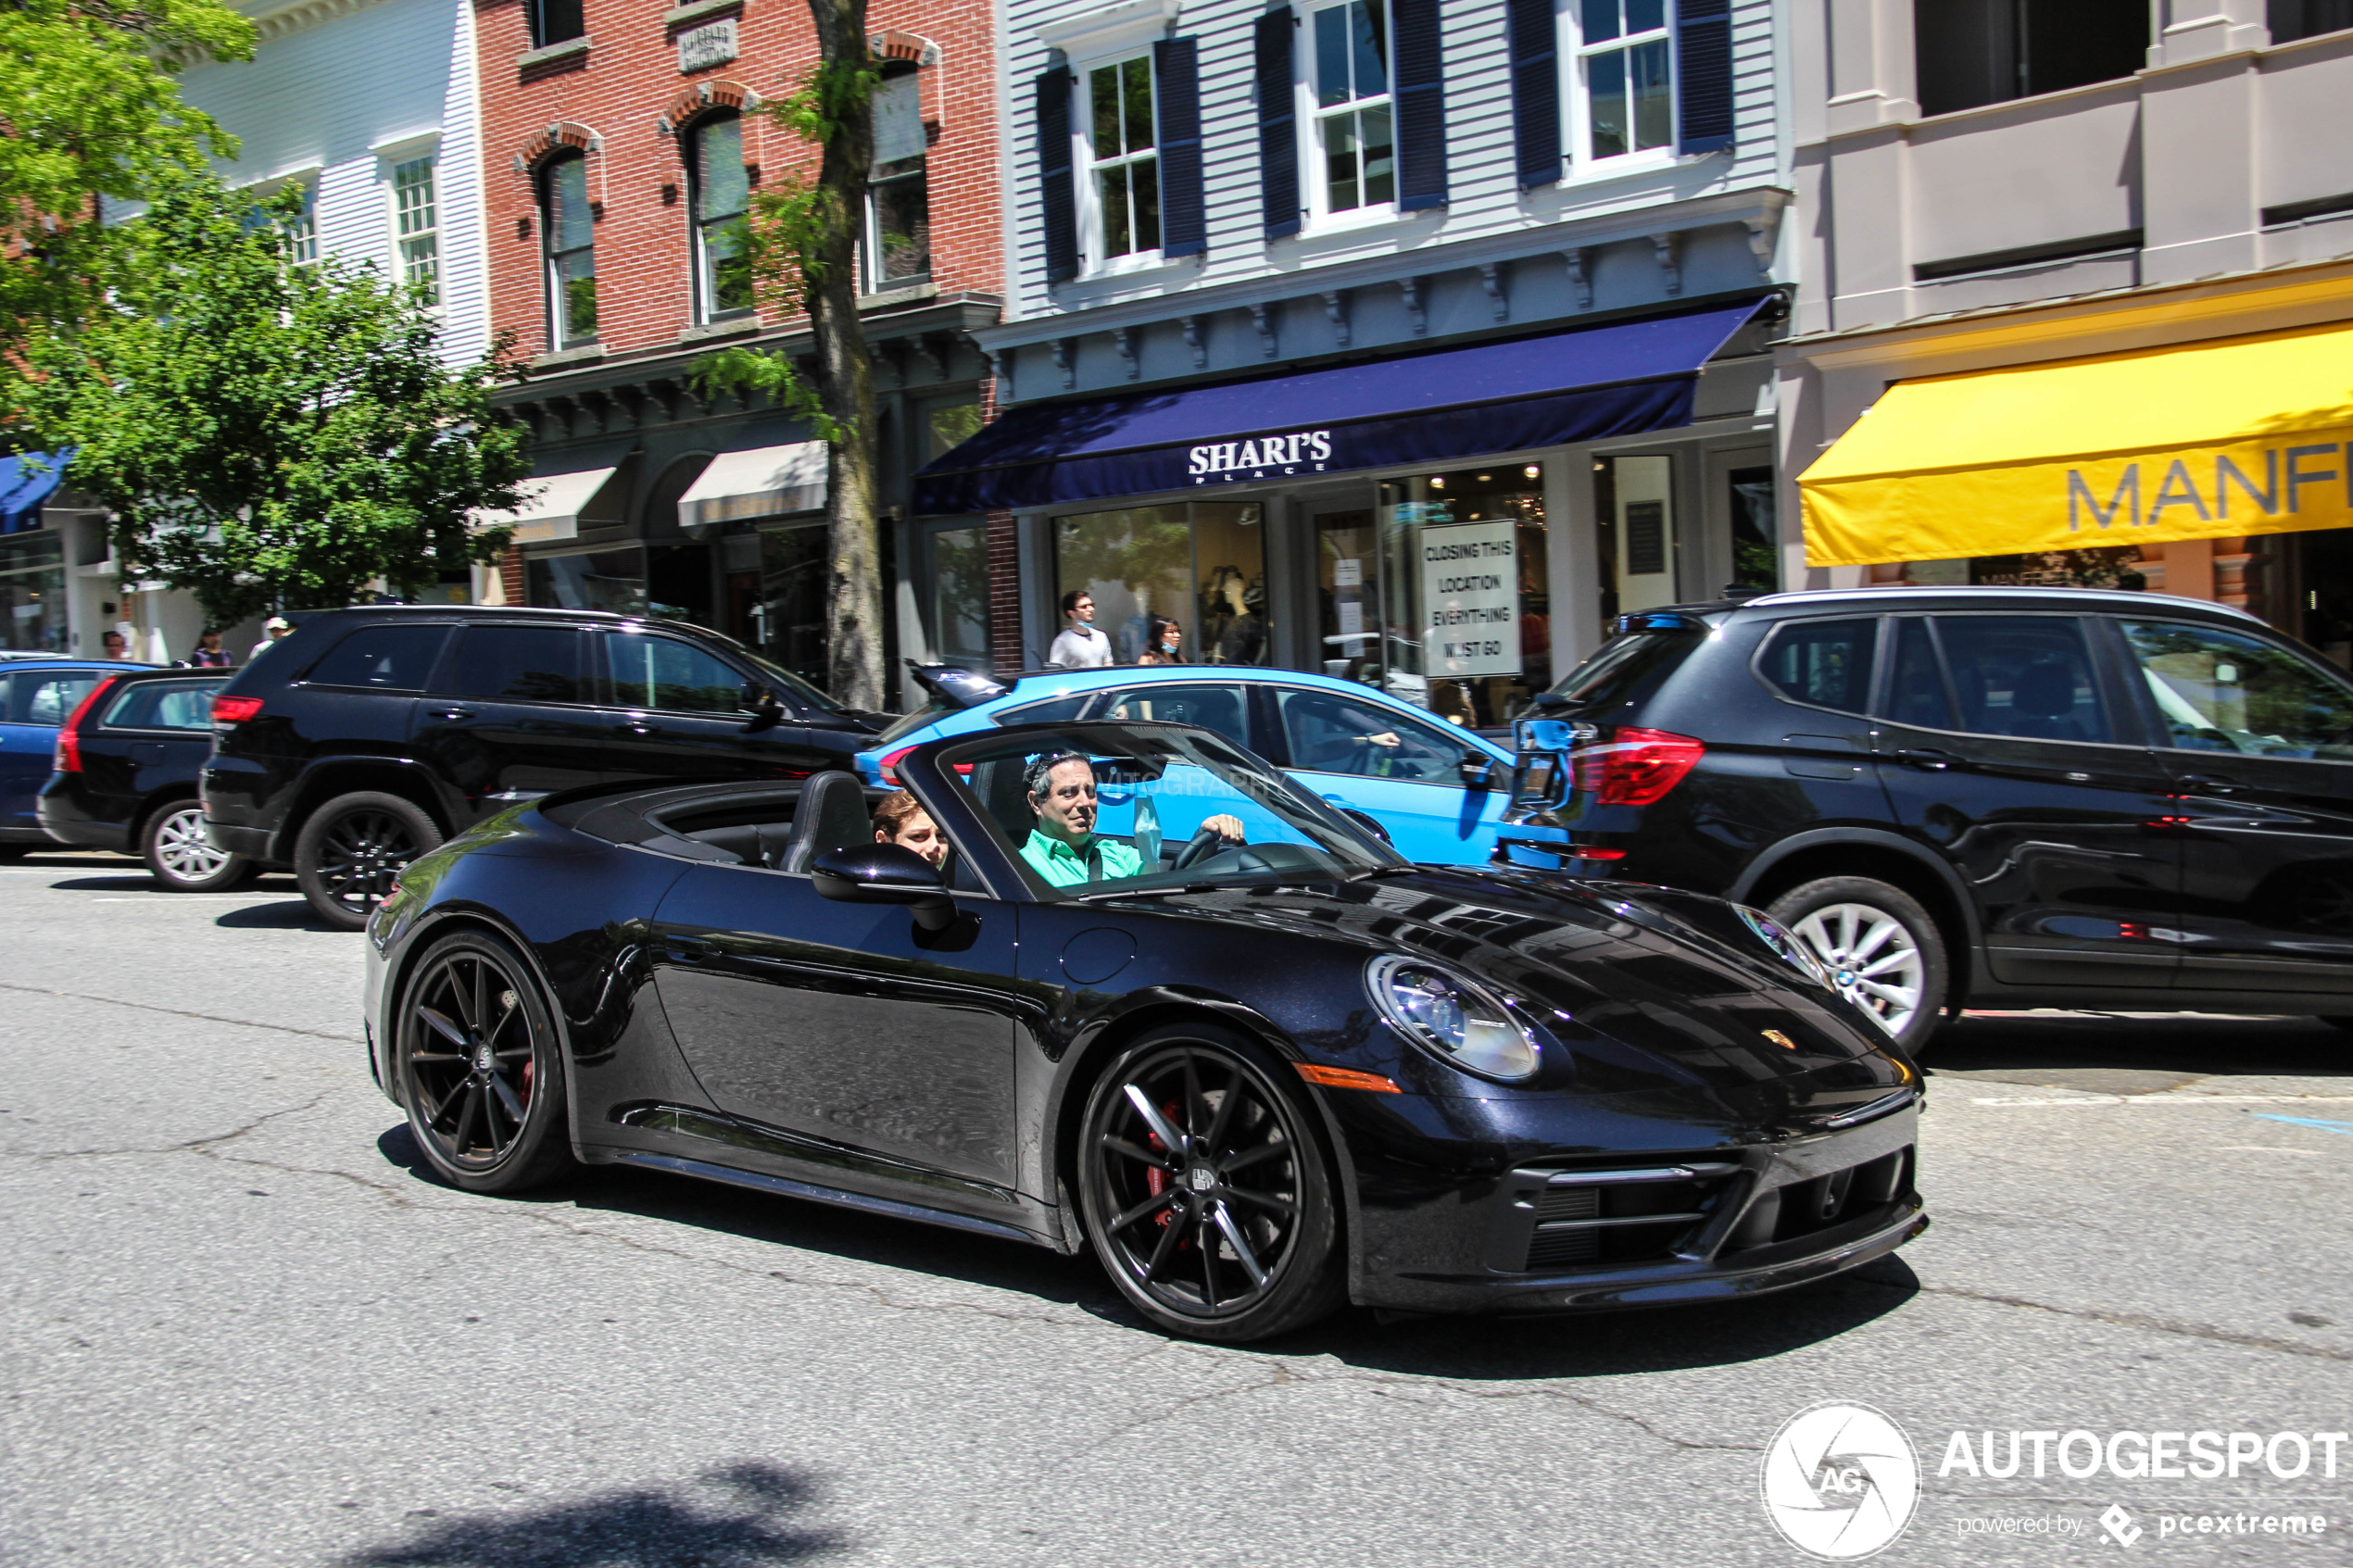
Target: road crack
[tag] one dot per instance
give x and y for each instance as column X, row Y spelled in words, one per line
column 2134, row 1320
column 184, row 1012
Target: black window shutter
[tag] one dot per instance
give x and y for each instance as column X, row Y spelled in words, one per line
column 1536, row 91
column 1176, row 77
column 1703, row 75
column 1421, row 106
column 1053, row 176
column 1277, row 126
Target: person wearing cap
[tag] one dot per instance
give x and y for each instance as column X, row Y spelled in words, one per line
column 272, row 629
column 1063, row 848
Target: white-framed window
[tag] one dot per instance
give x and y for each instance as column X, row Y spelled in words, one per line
column 719, row 190
column 1355, row 147
column 897, row 240
column 1621, row 81
column 1120, row 217
column 416, row 221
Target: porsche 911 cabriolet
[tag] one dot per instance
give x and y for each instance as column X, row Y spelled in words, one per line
column 1126, row 987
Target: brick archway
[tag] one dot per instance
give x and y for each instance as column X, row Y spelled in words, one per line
column 704, row 96
column 558, row 136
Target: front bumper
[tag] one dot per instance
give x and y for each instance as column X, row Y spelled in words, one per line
column 1583, row 1231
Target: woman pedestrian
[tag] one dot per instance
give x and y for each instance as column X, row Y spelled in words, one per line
column 1163, row 643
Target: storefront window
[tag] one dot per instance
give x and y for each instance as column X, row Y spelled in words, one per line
column 609, row 580
column 33, row 592
column 960, row 596
column 1464, row 623
column 1202, row 566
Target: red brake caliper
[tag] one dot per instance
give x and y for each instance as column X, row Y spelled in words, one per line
column 1156, row 1180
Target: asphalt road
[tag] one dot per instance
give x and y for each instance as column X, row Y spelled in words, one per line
column 240, row 1327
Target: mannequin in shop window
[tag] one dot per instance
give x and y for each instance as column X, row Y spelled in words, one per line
column 1243, row 641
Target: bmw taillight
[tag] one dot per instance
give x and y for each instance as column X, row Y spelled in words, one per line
column 235, row 709
column 1635, row 767
column 69, row 753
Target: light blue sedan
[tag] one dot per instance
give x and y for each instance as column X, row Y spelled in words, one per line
column 1438, row 791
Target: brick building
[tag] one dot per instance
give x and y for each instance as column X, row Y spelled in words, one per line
column 621, row 153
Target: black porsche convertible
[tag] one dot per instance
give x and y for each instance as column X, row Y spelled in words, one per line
column 1134, row 990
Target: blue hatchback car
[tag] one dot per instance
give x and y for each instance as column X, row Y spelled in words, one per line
column 1438, row 791
column 36, row 697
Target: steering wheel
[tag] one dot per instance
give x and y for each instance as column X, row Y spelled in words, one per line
column 1199, row 847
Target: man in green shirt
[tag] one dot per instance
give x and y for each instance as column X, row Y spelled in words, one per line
column 1063, row 847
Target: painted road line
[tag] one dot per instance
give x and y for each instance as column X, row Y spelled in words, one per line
column 2345, row 1127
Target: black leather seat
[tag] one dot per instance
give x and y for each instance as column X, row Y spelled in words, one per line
column 833, row 815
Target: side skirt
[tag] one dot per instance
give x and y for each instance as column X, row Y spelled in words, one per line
column 786, row 1187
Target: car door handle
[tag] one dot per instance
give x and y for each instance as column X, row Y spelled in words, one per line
column 689, row 949
column 1340, row 800
column 2206, row 784
column 638, row 727
column 450, row 712
column 1927, row 759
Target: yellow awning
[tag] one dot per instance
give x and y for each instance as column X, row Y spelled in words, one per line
column 2197, row 441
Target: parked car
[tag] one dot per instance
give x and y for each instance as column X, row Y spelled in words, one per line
column 125, row 775
column 1257, row 1078
column 36, row 696
column 365, row 737
column 1435, row 789
column 1977, row 796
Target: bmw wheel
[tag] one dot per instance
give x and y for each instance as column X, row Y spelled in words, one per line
column 351, row 851
column 480, row 1070
column 1882, row 950
column 1204, row 1190
column 181, row 856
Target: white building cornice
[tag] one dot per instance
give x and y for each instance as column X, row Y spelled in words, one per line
column 274, row 20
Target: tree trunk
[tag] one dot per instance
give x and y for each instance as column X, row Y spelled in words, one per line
column 845, row 378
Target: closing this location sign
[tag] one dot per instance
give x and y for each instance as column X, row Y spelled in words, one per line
column 1470, row 598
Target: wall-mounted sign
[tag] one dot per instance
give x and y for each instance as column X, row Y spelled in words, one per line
column 1470, row 598
column 713, row 43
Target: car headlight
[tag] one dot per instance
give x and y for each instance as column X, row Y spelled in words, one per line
column 1458, row 1019
column 1786, row 946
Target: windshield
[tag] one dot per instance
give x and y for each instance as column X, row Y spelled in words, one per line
column 791, row 686
column 1119, row 808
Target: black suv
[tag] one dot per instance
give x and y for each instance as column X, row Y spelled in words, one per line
column 365, row 736
column 1977, row 796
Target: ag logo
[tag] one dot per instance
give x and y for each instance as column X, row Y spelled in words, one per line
column 1841, row 1481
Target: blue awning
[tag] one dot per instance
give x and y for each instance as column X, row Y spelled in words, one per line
column 1621, row 379
column 26, row 481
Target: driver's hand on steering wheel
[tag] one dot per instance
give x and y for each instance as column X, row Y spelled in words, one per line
column 1229, row 828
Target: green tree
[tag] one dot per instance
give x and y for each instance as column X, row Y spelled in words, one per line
column 89, row 114
column 803, row 234
column 269, row 434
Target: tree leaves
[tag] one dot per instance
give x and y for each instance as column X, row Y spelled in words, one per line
column 268, row 435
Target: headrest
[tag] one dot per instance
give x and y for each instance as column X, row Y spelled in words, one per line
column 833, row 815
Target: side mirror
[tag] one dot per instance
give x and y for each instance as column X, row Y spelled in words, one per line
column 760, row 703
column 885, row 873
column 1369, row 823
column 1478, row 773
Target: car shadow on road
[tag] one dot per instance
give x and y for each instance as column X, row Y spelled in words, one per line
column 287, row 914
column 2107, row 1053
column 1585, row 1345
column 142, row 883
column 736, row 1516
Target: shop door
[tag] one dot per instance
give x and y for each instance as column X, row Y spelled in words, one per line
column 1743, row 550
column 2259, row 742
column 1347, row 633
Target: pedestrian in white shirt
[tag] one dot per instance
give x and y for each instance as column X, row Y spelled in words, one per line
column 1081, row 646
column 272, row 629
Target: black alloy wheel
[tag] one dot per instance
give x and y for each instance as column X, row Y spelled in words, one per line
column 352, row 849
column 181, row 856
column 1204, row 1192
column 481, row 1071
